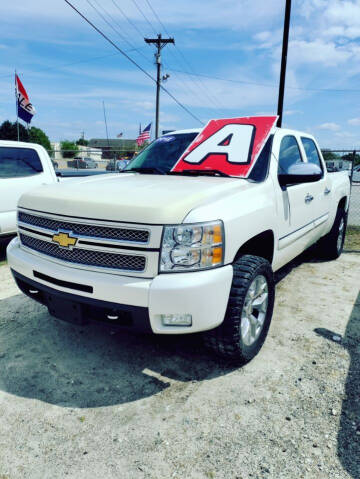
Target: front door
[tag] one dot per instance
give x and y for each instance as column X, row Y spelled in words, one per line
column 297, row 227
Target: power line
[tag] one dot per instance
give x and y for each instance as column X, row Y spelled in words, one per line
column 164, row 28
column 268, row 85
column 188, row 87
column 198, row 82
column 133, row 24
column 64, row 65
column 111, row 26
column 144, row 16
column 132, row 61
column 157, row 17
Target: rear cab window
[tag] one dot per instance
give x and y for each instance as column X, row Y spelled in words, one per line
column 19, row 162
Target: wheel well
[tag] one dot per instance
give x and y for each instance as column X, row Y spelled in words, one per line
column 342, row 203
column 260, row 245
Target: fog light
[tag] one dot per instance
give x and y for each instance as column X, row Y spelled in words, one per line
column 175, row 319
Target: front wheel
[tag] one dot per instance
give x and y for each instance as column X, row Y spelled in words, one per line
column 249, row 311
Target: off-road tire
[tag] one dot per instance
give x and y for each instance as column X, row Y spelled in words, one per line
column 226, row 340
column 327, row 246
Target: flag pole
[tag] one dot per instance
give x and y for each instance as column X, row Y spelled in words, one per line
column 17, row 110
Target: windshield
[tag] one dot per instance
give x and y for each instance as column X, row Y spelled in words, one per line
column 163, row 153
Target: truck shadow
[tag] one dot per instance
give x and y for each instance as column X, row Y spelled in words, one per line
column 62, row 364
column 349, row 432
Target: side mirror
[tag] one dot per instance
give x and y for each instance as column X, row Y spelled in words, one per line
column 300, row 173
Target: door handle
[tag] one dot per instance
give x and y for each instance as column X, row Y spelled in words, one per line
column 308, row 198
column 327, row 191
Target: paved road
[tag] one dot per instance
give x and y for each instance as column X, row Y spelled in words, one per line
column 354, row 212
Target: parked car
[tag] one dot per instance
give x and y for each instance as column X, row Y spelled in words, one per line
column 111, row 166
column 187, row 238
column 82, row 163
column 121, row 164
column 23, row 166
column 117, row 165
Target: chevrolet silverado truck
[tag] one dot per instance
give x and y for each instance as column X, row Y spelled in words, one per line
column 187, row 238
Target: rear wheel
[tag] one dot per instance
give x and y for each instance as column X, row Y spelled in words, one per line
column 249, row 311
column 331, row 246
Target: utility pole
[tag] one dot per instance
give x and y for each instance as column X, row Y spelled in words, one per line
column 160, row 44
column 284, row 61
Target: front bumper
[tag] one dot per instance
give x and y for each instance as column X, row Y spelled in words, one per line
column 202, row 294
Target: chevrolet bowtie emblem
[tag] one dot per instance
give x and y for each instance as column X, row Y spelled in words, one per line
column 64, row 239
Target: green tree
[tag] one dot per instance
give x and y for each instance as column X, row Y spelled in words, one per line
column 350, row 157
column 69, row 149
column 329, row 155
column 82, row 142
column 8, row 131
column 36, row 135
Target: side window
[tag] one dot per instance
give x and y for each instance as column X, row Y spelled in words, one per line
column 311, row 151
column 289, row 153
column 19, row 162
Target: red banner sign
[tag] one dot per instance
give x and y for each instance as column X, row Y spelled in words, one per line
column 231, row 146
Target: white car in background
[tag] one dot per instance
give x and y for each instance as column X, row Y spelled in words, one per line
column 23, row 166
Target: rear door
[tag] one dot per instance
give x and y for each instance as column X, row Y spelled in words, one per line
column 20, row 170
column 321, row 190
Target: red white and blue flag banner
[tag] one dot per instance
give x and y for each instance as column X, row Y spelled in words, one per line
column 230, row 145
column 144, row 135
column 24, row 107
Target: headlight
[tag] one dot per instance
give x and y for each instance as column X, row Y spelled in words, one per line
column 191, row 247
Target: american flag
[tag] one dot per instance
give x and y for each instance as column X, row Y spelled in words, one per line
column 143, row 135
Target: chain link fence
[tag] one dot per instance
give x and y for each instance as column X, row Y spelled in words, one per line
column 349, row 161
column 68, row 162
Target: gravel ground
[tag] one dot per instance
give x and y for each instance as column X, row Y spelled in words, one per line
column 85, row 403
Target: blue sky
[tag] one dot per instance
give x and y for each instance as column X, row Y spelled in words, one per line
column 68, row 69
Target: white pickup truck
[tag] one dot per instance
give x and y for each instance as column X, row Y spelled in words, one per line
column 187, row 237
column 23, row 166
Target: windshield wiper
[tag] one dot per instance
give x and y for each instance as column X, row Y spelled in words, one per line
column 147, row 170
column 199, row 173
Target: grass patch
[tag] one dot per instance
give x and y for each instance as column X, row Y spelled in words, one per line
column 352, row 240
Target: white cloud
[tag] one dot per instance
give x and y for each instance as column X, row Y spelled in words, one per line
column 354, row 121
column 292, row 112
column 318, row 52
column 329, row 126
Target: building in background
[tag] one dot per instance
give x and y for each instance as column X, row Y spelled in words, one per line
column 84, row 151
column 114, row 148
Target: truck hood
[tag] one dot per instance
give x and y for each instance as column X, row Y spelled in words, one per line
column 133, row 197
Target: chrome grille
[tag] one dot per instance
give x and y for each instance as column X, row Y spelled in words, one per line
column 86, row 257
column 105, row 232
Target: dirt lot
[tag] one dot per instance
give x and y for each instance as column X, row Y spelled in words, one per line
column 84, row 403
